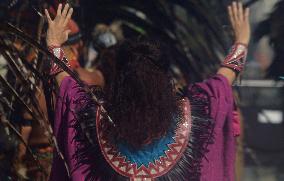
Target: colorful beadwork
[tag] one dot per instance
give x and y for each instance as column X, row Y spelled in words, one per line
column 236, row 58
column 59, row 53
column 158, row 167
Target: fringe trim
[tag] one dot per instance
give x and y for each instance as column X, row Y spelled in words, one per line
column 87, row 146
column 187, row 168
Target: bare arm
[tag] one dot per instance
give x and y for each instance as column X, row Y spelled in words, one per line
column 57, row 34
column 234, row 62
column 228, row 73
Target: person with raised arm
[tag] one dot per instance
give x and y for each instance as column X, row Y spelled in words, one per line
column 154, row 133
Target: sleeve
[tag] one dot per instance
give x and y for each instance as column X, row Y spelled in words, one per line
column 218, row 162
column 219, row 93
column 71, row 100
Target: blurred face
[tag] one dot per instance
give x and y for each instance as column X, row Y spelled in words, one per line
column 78, row 45
column 73, row 51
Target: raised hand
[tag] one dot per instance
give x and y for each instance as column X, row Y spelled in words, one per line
column 239, row 18
column 57, row 32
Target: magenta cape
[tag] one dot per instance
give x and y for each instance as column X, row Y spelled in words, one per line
column 219, row 162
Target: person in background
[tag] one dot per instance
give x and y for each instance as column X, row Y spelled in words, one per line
column 153, row 133
column 73, row 48
column 103, row 37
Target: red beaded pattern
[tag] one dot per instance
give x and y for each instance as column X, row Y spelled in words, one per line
column 237, row 58
column 59, row 53
column 155, row 169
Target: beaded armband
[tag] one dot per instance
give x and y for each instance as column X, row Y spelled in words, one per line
column 59, row 53
column 237, row 58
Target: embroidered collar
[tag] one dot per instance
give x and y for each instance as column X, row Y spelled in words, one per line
column 151, row 166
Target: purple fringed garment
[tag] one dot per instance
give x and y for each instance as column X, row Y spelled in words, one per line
column 64, row 132
column 219, row 162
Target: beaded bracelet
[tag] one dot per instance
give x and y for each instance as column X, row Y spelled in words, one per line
column 59, row 53
column 237, row 58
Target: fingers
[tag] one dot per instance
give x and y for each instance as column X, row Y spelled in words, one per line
column 66, row 33
column 68, row 17
column 65, row 10
column 59, row 9
column 237, row 13
column 246, row 15
column 231, row 17
column 63, row 16
column 47, row 16
column 240, row 11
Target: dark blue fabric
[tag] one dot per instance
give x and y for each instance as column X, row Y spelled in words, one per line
column 148, row 153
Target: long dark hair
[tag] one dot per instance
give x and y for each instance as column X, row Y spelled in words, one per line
column 140, row 97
